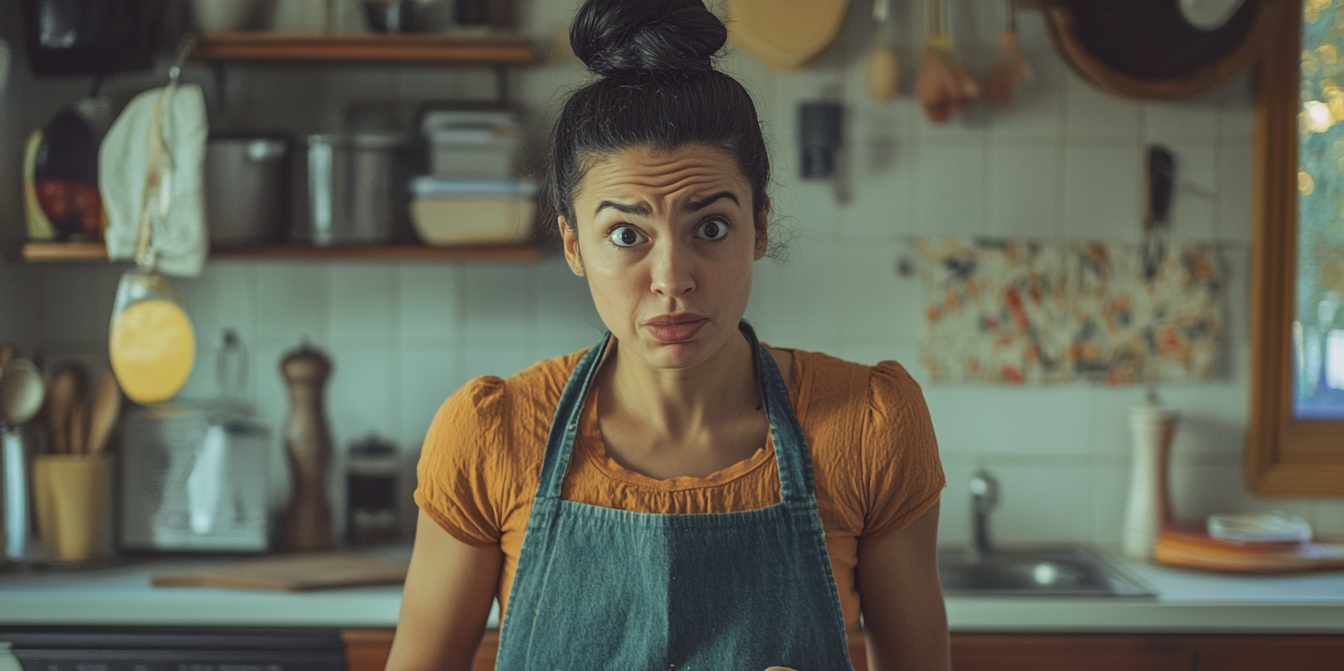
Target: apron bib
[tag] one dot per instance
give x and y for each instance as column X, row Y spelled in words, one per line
column 601, row 588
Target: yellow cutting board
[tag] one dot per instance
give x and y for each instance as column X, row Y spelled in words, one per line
column 293, row 573
column 786, row 34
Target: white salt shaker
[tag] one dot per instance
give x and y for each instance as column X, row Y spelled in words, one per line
column 1149, row 509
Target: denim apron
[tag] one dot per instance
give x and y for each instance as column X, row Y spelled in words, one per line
column 601, row 588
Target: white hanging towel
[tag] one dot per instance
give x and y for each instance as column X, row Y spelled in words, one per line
column 178, row 238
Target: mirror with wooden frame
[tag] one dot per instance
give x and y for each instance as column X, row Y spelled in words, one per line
column 1295, row 443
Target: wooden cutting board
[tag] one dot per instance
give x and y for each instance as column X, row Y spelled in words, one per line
column 293, row 573
column 786, row 34
column 1192, row 547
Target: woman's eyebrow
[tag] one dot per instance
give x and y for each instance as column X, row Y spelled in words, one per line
column 622, row 207
column 697, row 205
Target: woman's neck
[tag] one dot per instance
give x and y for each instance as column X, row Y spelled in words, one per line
column 677, row 404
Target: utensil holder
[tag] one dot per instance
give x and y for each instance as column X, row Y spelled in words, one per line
column 72, row 498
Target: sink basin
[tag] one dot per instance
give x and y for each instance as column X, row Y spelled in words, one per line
column 1055, row 571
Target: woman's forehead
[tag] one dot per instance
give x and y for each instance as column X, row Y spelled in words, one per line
column 660, row 174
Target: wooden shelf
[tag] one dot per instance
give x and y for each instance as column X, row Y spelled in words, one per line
column 58, row 252
column 272, row 46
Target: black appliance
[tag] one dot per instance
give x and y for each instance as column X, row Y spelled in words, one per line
column 175, row 649
column 91, row 37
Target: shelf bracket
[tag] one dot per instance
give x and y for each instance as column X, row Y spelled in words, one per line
column 501, row 83
column 221, row 82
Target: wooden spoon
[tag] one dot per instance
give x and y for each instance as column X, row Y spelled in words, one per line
column 106, row 409
column 58, row 410
column 78, row 431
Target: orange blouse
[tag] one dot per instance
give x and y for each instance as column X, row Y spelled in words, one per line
column 873, row 452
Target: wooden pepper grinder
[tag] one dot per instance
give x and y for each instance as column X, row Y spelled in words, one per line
column 308, row 523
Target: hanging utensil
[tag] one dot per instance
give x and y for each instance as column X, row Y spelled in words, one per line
column 884, row 69
column 1161, row 176
column 152, row 344
column 944, row 85
column 1010, row 70
column 21, row 394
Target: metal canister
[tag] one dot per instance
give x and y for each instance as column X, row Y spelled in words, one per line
column 354, row 187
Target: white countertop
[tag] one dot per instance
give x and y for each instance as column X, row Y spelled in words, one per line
column 1186, row 602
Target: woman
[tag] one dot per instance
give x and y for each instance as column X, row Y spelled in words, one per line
column 679, row 496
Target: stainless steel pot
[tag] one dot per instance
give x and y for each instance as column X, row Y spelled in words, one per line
column 355, row 190
column 246, row 188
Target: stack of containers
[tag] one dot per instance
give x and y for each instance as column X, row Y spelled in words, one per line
column 472, row 194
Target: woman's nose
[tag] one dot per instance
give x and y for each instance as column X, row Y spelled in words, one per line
column 672, row 270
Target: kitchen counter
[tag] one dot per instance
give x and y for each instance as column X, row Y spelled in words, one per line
column 1186, row 602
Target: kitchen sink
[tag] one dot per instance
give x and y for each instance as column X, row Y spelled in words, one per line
column 1053, row 571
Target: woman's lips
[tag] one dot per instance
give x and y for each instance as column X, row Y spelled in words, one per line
column 675, row 329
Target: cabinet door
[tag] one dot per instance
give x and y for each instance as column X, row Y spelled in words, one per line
column 1254, row 653
column 368, row 649
column 977, row 652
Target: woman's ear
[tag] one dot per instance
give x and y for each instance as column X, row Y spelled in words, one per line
column 570, row 237
column 763, row 231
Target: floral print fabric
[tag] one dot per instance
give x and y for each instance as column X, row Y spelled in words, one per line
column 1030, row 312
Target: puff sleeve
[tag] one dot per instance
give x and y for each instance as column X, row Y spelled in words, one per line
column 903, row 476
column 458, row 470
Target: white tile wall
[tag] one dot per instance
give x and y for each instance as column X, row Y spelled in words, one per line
column 1064, row 162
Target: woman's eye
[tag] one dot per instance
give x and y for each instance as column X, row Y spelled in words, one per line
column 714, row 229
column 625, row 236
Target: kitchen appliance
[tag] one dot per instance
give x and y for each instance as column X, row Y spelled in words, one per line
column 246, row 188
column 355, row 187
column 194, row 478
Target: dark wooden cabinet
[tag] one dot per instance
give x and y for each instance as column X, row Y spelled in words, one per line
column 367, row 650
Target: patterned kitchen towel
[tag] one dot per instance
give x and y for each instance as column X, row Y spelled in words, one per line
column 1030, row 312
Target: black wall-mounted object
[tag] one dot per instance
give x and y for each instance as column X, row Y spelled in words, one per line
column 819, row 136
column 91, row 37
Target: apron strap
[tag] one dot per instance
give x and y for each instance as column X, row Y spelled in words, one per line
column 560, row 441
column 796, row 484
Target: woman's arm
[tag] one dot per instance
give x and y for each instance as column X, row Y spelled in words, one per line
column 449, row 588
column 902, row 600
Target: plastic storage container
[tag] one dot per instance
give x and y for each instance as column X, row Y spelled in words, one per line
column 449, row 211
column 472, row 143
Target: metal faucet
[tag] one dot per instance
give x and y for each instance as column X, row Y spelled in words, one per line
column 984, row 498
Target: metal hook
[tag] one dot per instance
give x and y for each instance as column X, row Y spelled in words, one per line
column 184, row 50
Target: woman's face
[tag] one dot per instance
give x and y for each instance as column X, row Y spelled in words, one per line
column 666, row 240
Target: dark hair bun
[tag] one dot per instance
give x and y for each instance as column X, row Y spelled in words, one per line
column 646, row 36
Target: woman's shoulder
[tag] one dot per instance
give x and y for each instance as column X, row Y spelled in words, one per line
column 490, row 398
column 832, row 380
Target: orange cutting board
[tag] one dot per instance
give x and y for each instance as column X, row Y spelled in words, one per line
column 786, row 34
column 293, row 573
column 1192, row 547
